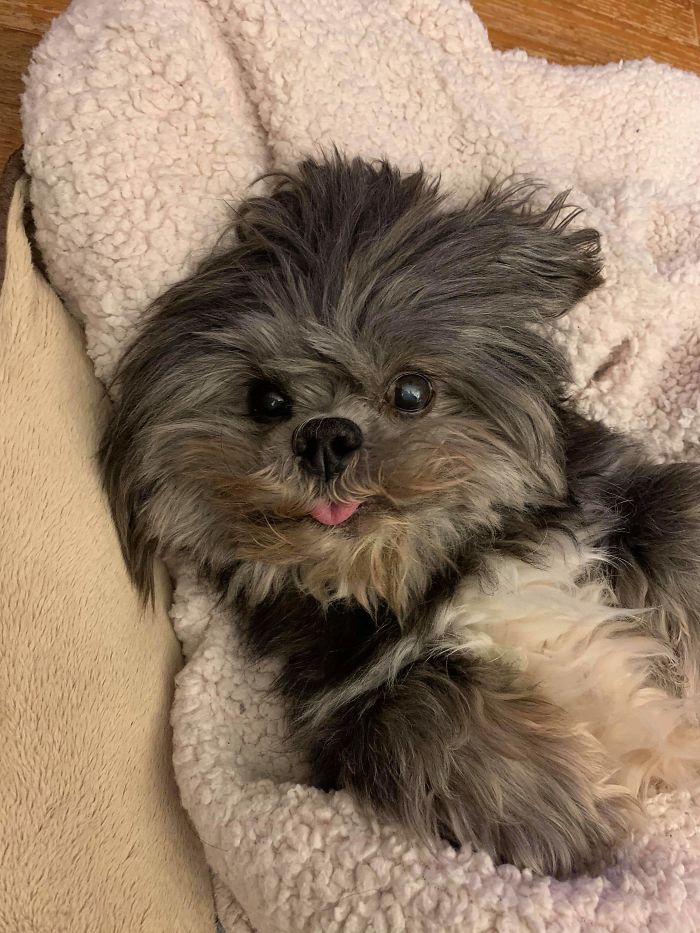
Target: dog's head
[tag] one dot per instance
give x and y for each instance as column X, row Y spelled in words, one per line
column 362, row 378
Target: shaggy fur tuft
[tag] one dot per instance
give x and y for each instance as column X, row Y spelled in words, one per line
column 454, row 651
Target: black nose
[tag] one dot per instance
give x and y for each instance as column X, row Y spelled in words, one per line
column 325, row 445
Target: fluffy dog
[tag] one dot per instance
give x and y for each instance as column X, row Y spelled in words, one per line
column 354, row 419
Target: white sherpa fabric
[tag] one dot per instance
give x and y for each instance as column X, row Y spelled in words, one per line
column 142, row 118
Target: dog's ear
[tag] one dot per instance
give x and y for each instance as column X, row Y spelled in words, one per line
column 127, row 493
column 537, row 254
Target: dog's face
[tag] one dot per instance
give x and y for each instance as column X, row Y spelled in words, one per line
column 360, row 381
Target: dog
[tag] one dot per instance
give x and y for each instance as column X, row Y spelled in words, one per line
column 354, row 418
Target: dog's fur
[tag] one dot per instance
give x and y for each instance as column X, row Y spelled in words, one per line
column 456, row 654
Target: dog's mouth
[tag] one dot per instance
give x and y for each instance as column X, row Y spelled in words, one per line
column 333, row 513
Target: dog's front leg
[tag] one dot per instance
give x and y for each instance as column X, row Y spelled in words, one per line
column 460, row 748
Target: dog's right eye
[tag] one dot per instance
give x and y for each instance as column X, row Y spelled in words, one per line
column 266, row 402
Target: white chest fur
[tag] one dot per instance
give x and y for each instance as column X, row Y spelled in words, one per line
column 557, row 625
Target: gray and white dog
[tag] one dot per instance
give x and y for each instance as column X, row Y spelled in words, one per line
column 354, row 419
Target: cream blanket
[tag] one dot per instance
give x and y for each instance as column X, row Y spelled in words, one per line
column 142, row 119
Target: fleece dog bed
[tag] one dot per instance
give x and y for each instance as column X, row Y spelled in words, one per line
column 143, row 120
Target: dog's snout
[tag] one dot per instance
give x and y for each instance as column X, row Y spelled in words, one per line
column 325, row 445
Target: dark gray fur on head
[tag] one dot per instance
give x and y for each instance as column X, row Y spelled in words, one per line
column 345, row 276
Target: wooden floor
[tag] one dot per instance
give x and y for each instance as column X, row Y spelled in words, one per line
column 566, row 31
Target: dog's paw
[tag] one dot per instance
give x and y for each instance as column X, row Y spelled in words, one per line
column 461, row 749
column 550, row 811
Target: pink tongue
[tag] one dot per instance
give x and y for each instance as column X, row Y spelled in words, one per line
column 332, row 513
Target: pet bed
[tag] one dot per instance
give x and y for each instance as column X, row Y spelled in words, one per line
column 143, row 121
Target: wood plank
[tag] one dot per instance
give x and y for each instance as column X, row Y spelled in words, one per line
column 15, row 50
column 570, row 34
column 671, row 19
column 30, row 15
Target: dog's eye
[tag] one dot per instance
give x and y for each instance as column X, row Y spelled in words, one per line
column 268, row 403
column 411, row 393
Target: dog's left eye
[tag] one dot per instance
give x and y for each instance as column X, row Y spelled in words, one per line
column 411, row 393
column 266, row 402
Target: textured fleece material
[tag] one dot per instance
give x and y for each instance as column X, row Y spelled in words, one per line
column 143, row 121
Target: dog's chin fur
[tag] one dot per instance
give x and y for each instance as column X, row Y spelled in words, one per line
column 500, row 646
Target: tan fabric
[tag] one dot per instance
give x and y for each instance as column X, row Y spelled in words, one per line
column 92, row 836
